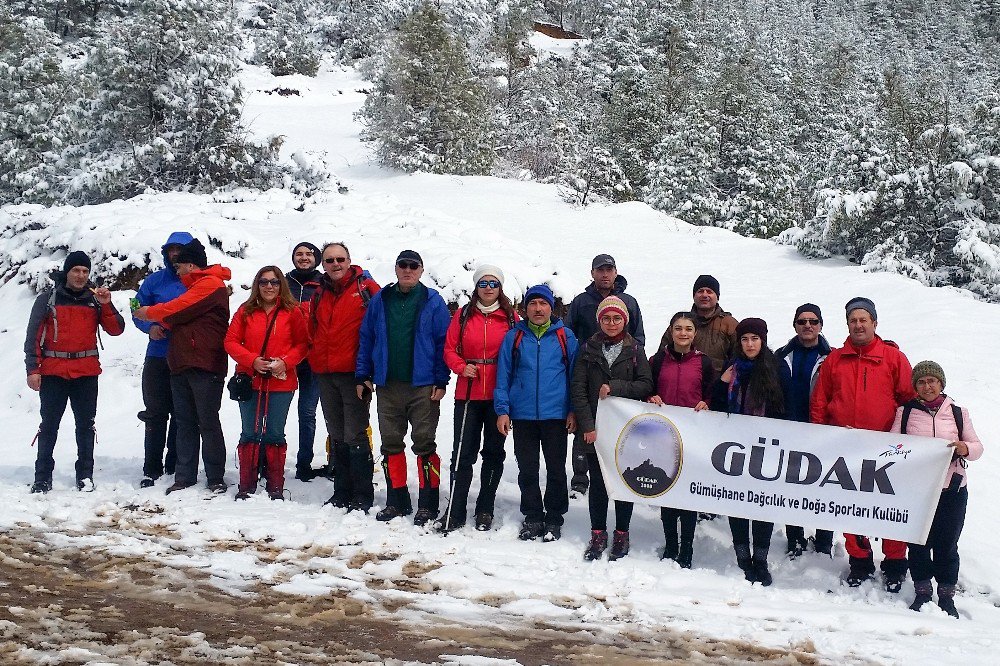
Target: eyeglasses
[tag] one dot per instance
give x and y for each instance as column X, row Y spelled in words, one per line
column 408, row 265
column 613, row 319
column 335, row 260
column 810, row 322
column 268, row 283
column 490, row 284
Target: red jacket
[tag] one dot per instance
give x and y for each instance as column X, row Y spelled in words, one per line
column 67, row 324
column 289, row 341
column 862, row 388
column 335, row 321
column 480, row 340
column 198, row 320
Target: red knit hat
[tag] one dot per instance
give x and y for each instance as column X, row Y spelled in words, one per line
column 612, row 304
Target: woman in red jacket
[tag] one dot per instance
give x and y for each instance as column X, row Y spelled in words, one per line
column 471, row 350
column 267, row 338
column 682, row 377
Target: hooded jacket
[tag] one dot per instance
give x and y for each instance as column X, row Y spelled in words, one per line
column 335, row 318
column 538, row 388
column 481, row 341
column 582, row 315
column 863, row 387
column 198, row 320
column 159, row 287
column 63, row 321
column 629, row 377
column 941, row 423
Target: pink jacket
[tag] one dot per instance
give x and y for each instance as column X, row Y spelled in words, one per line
column 942, row 424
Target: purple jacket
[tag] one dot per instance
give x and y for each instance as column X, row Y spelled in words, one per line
column 942, row 424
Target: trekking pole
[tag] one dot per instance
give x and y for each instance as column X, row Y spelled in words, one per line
column 458, row 456
column 265, row 393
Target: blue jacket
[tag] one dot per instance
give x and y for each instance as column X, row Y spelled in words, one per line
column 429, row 369
column 159, row 287
column 538, row 388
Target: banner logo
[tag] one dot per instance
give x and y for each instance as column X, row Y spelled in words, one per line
column 649, row 454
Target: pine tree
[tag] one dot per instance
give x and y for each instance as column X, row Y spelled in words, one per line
column 282, row 39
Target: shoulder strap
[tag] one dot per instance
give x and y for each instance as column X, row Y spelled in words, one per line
column 561, row 336
column 463, row 319
column 270, row 327
column 907, row 408
column 956, row 411
column 362, row 292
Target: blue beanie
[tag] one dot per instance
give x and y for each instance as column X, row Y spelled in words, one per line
column 540, row 291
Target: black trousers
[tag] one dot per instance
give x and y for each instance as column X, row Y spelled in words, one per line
column 597, row 499
column 475, row 433
column 938, row 558
column 533, row 439
column 670, row 516
column 797, row 536
column 55, row 392
column 197, row 401
column 161, row 430
column 741, row 529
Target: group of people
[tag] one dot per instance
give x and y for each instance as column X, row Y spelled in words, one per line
column 339, row 339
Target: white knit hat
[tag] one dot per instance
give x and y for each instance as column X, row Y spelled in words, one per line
column 487, row 269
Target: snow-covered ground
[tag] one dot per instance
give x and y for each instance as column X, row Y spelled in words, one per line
column 491, row 579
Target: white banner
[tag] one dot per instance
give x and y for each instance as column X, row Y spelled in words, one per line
column 856, row 481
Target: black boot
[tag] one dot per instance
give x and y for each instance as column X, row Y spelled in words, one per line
column 685, row 554
column 924, row 590
column 862, row 568
column 893, row 575
column 359, row 460
column 760, row 572
column 397, row 497
column 429, row 497
column 946, row 600
column 744, row 562
column 343, row 486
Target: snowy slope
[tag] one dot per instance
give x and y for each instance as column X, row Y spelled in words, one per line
column 491, row 578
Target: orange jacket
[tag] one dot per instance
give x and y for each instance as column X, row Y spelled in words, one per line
column 335, row 321
column 289, row 341
column 862, row 388
column 198, row 320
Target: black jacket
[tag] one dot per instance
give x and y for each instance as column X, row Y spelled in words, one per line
column 582, row 316
column 628, row 377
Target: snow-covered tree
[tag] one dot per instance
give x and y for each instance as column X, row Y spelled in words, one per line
column 283, row 44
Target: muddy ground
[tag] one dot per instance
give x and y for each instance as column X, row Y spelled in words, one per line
column 83, row 606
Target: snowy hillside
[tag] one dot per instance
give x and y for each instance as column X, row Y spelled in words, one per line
column 489, row 579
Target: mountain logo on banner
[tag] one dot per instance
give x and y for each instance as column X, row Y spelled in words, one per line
column 649, row 454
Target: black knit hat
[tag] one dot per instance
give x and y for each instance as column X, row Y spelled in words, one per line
column 74, row 259
column 706, row 281
column 317, row 253
column 752, row 325
column 193, row 253
column 809, row 307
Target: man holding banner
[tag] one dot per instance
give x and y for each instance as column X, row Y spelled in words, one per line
column 860, row 386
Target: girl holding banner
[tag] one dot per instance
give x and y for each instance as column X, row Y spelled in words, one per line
column 755, row 385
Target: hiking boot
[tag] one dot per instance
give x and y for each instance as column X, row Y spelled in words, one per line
column 218, row 487
column 684, row 556
column 795, row 550
column 277, row 495
column 448, row 523
column 242, row 495
column 744, row 562
column 424, row 516
column 391, row 512
column 41, row 486
column 579, row 487
column 893, row 574
column 552, row 533
column 484, row 522
column 707, row 516
column 893, row 584
column 337, row 502
column 862, row 569
column 305, row 474
column 619, row 545
column 179, row 485
column 147, row 482
column 923, row 589
column 946, row 600
column 85, row 485
column 359, row 506
column 760, row 572
column 531, row 531
column 598, row 544
column 324, row 472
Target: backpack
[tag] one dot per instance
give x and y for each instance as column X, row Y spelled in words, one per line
column 516, row 352
column 463, row 319
column 956, row 412
column 366, row 297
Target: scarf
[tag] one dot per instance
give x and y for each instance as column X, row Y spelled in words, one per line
column 487, row 309
column 742, row 369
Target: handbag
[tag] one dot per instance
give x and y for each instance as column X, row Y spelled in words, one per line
column 240, row 385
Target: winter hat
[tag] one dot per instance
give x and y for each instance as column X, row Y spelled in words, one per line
column 809, row 307
column 539, row 291
column 752, row 325
column 487, row 269
column 860, row 302
column 927, row 369
column 317, row 253
column 612, row 304
column 409, row 255
column 74, row 259
column 193, row 253
column 706, row 281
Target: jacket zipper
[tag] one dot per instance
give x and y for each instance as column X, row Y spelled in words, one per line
column 538, row 377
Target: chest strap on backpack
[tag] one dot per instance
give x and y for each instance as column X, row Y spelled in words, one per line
column 481, row 361
column 61, row 354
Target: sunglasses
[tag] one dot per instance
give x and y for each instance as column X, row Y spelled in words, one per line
column 408, row 265
column 268, row 283
column 335, row 260
column 491, row 284
column 810, row 322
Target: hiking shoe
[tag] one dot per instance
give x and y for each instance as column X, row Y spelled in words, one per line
column 619, row 545
column 85, row 485
column 862, row 569
column 893, row 584
column 179, row 485
column 389, row 513
column 598, row 544
column 579, row 487
column 484, row 522
column 424, row 516
column 760, row 572
column 277, row 495
column 448, row 523
column 324, row 472
column 242, row 495
column 359, row 506
column 218, row 487
column 947, row 604
column 41, row 486
column 552, row 533
column 305, row 474
column 531, row 531
column 147, row 482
